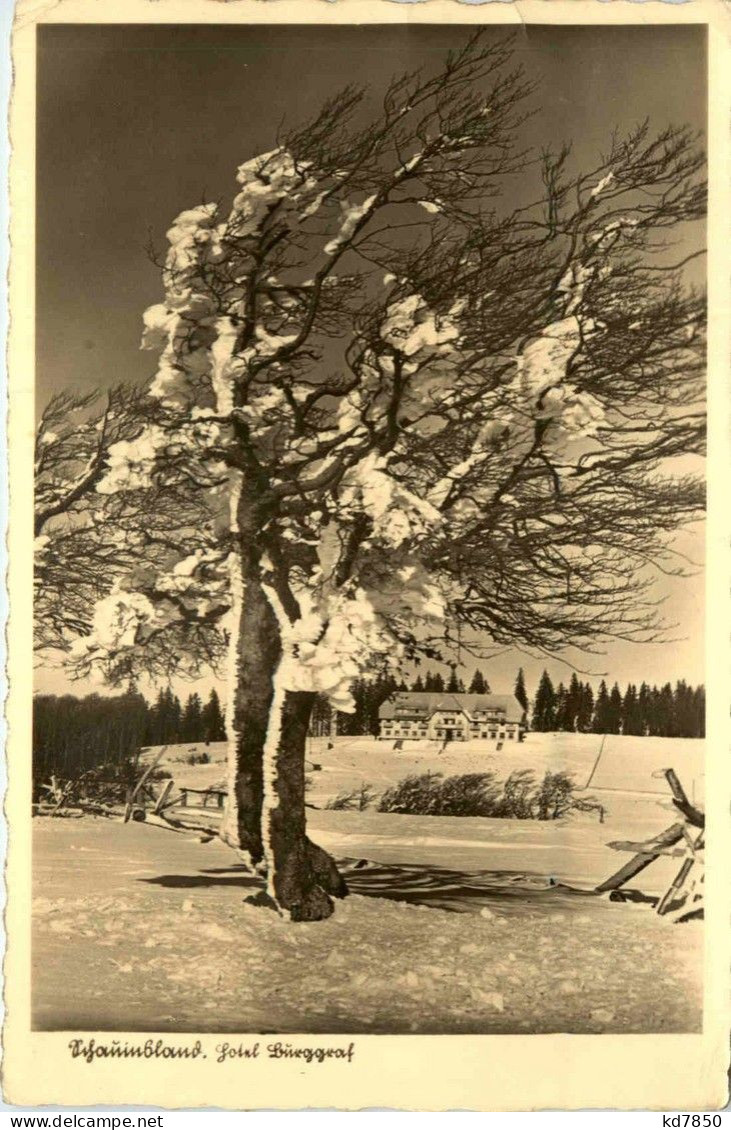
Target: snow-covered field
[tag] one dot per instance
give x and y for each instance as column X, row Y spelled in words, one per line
column 608, row 764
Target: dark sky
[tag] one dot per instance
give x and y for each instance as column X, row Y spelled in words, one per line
column 136, row 123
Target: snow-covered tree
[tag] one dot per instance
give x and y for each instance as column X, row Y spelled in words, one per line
column 418, row 407
column 89, row 539
column 73, row 561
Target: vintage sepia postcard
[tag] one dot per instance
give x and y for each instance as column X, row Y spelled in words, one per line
column 368, row 707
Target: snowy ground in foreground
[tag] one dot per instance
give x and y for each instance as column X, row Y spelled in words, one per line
column 139, row 929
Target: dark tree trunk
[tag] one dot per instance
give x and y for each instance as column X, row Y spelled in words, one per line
column 303, row 876
column 258, row 652
column 257, row 658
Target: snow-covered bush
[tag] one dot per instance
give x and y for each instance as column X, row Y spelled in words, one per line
column 353, row 800
column 519, row 797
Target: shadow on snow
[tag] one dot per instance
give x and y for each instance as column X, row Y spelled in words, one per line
column 512, row 892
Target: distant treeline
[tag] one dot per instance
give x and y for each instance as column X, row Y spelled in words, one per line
column 71, row 735
column 664, row 712
column 674, row 712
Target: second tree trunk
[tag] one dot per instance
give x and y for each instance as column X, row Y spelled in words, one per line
column 302, row 876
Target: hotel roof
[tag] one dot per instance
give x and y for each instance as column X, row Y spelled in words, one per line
column 426, row 703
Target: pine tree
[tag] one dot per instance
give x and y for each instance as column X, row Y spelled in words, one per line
column 585, row 712
column 72, row 735
column 131, row 721
column 322, row 717
column 453, row 684
column 191, row 726
column 602, row 718
column 573, row 702
column 176, row 717
column 654, row 712
column 479, row 684
column 369, row 696
column 165, row 719
column 685, row 713
column 418, row 684
column 213, row 725
column 631, row 716
column 438, row 686
column 357, row 723
column 699, row 710
column 544, row 707
column 562, row 715
column 615, row 710
column 154, row 726
column 643, row 708
column 520, row 691
column 666, row 711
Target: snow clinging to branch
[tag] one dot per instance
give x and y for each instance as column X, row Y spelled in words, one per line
column 396, row 513
column 411, row 326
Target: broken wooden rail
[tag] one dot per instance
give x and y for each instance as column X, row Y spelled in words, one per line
column 130, row 811
column 218, row 794
column 682, row 896
column 692, row 814
column 142, row 795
